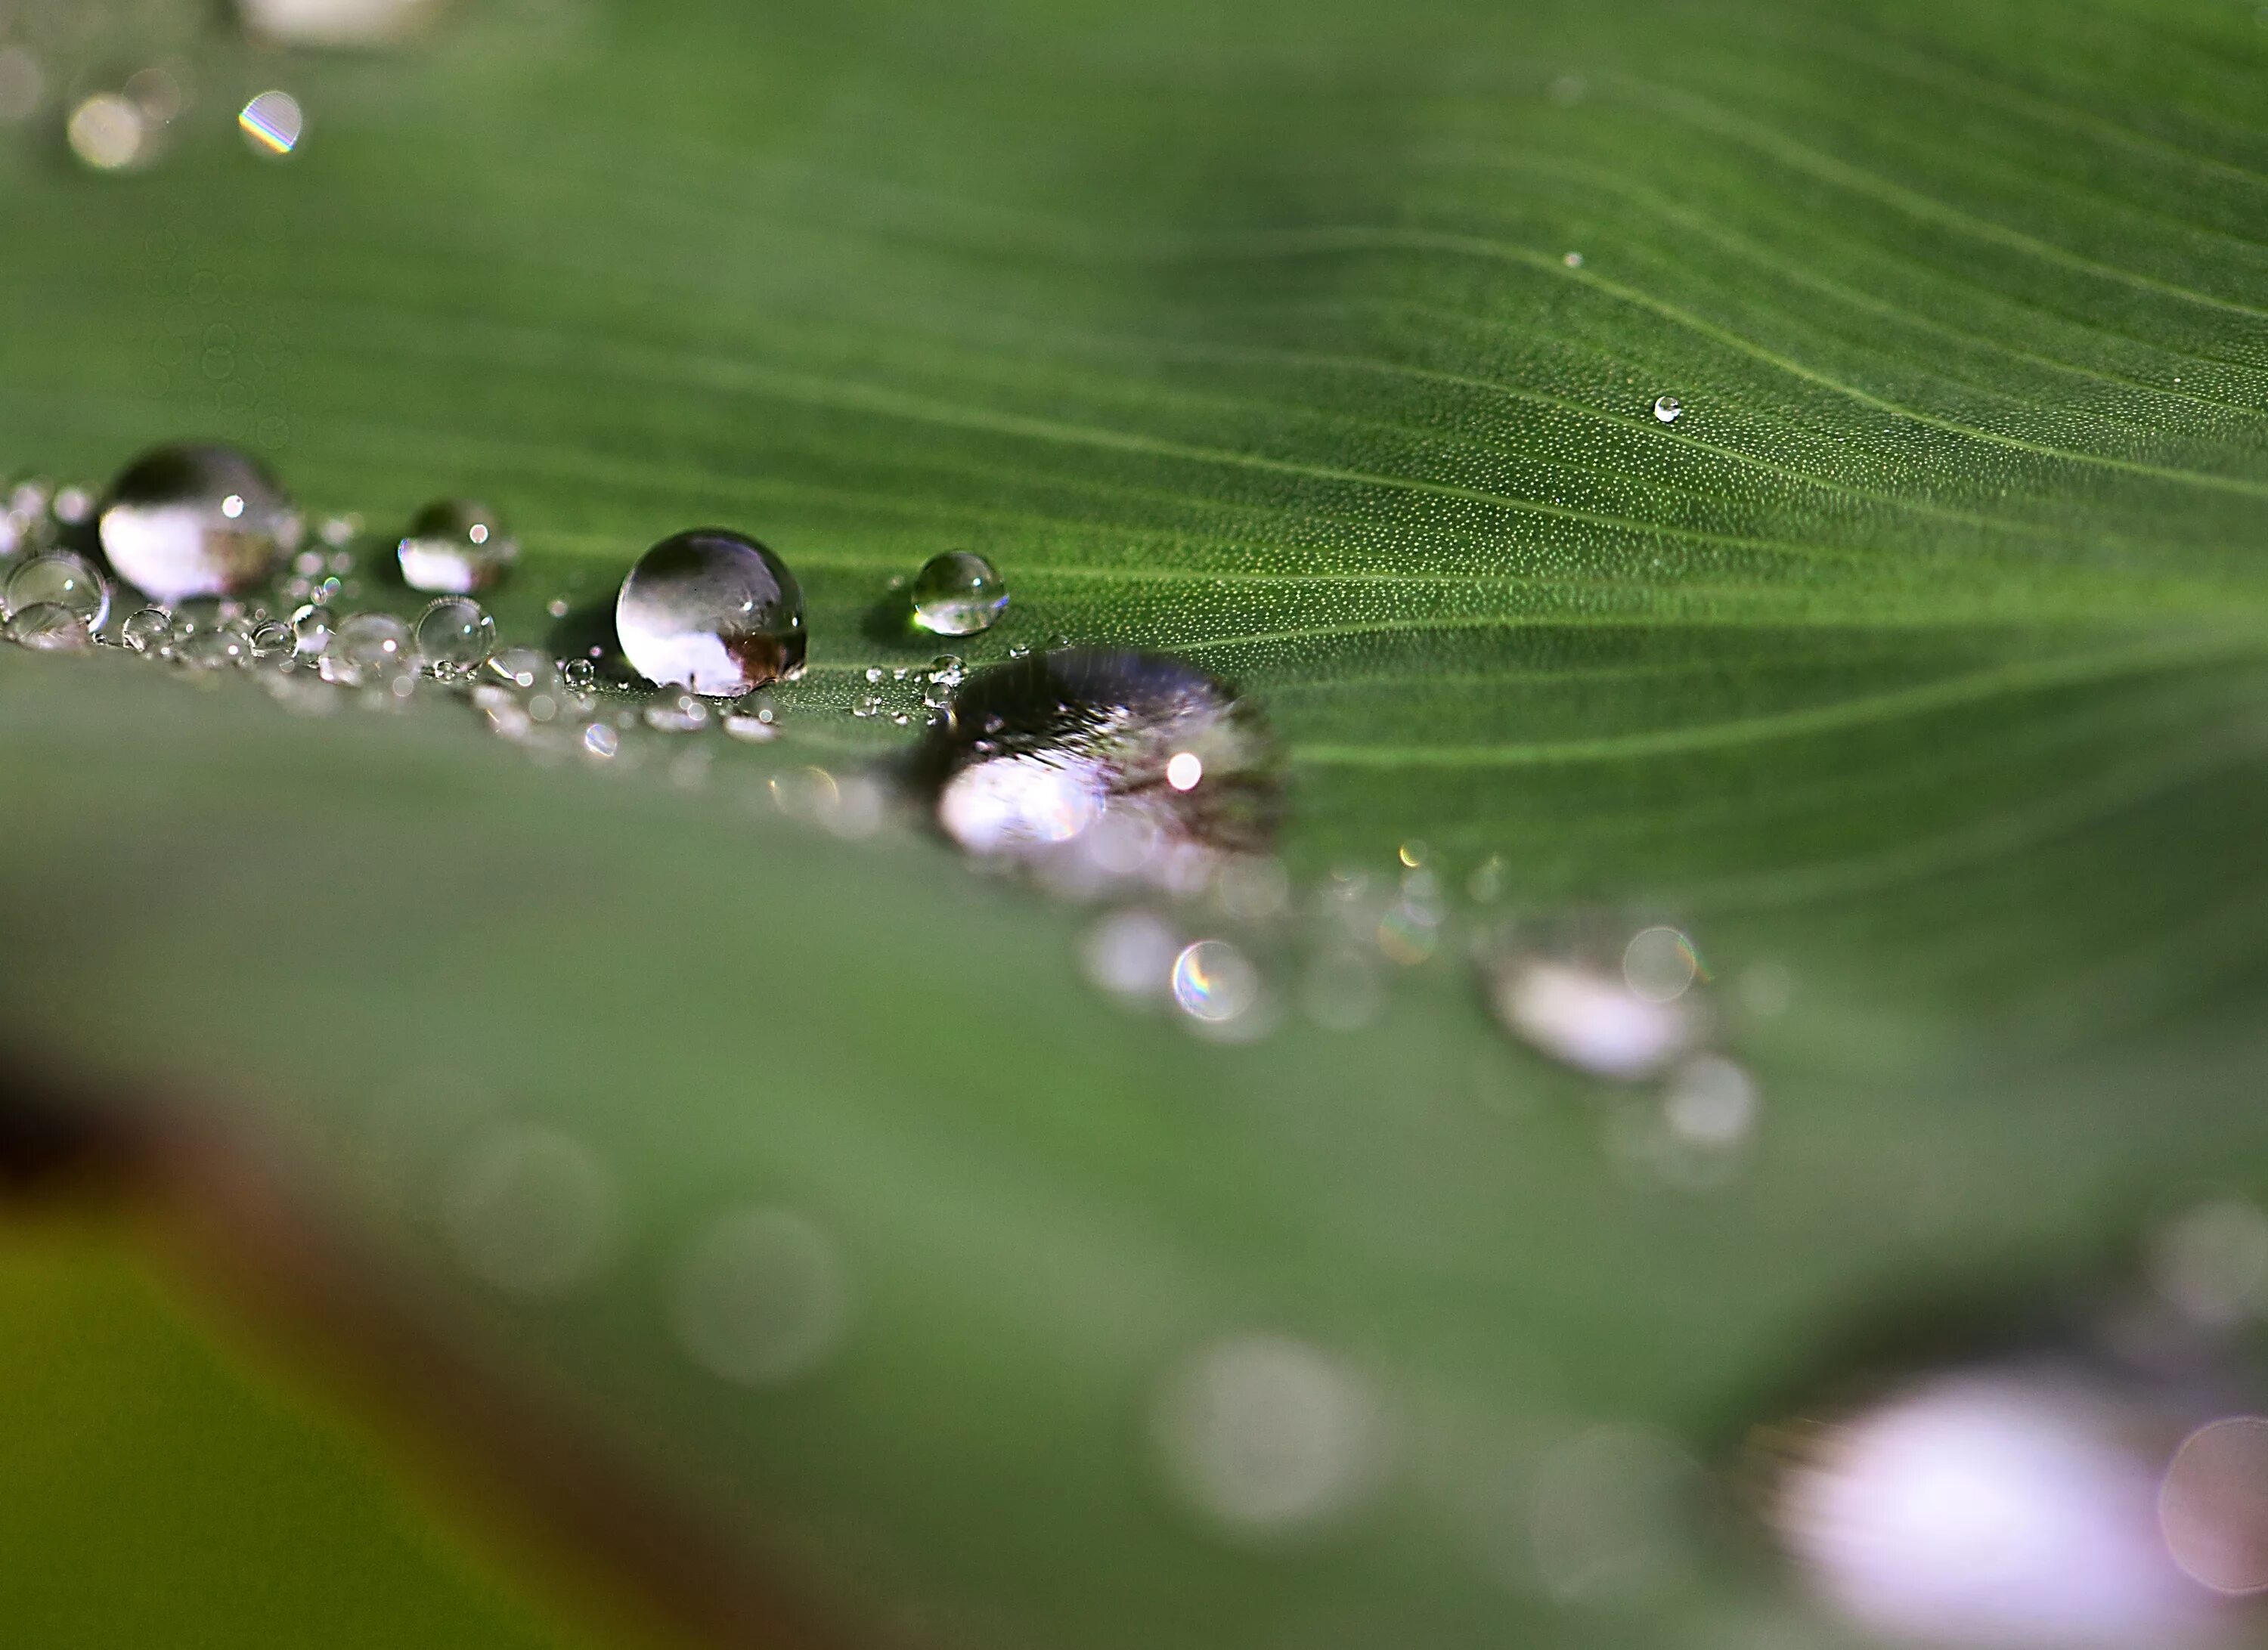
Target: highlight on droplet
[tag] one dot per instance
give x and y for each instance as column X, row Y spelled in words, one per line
column 272, row 123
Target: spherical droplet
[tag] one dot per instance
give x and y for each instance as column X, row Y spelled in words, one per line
column 680, row 713
column 1666, row 408
column 456, row 546
column 222, row 648
column 454, row 638
column 1214, row 983
column 194, row 521
column 147, row 631
column 368, row 647
column 109, row 132
column 957, row 593
column 312, row 627
column 1660, row 964
column 2212, row 1507
column 711, row 610
column 49, row 626
column 762, row 1299
column 275, row 640
column 579, row 675
column 63, row 580
column 531, row 1212
column 272, row 123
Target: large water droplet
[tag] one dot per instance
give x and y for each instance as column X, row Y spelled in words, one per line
column 49, row 626
column 454, row 638
column 60, row 580
column 957, row 593
column 456, row 546
column 196, row 519
column 1066, row 759
column 711, row 610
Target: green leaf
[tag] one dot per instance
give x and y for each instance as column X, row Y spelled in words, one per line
column 1919, row 661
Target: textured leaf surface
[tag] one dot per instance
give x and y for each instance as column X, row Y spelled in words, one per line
column 1922, row 656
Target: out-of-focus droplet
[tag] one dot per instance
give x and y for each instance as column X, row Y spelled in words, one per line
column 49, row 626
column 109, row 132
column 2212, row 1507
column 73, row 506
column 23, row 85
column 274, row 639
column 679, row 713
column 1660, row 964
column 1573, row 260
column 1132, row 954
column 1265, row 1437
column 1062, row 761
column 1215, row 982
column 2209, row 1261
column 335, row 23
column 62, row 579
column 530, row 1210
column 196, row 519
column 454, row 638
column 272, row 123
column 456, row 546
column 1589, row 1018
column 1710, row 1104
column 1666, row 408
column 713, row 611
column 1185, row 771
column 148, row 630
column 1610, row 1512
column 1342, row 991
column 368, row 647
column 222, row 647
column 762, row 1299
column 600, row 742
column 957, row 593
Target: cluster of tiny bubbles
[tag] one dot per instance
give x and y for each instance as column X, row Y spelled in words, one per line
column 1632, row 1014
column 455, row 547
column 2059, row 1493
column 957, row 593
column 762, row 1297
column 1266, row 1437
column 712, row 611
column 1666, row 408
column 196, row 519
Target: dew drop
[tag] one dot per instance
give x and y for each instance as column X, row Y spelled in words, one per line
column 2212, row 1507
column 369, row 647
column 108, row 132
column 312, row 628
column 531, row 1212
column 762, row 1299
column 957, row 593
column 272, row 123
column 222, row 647
column 522, row 668
column 713, row 611
column 682, row 713
column 1666, row 408
column 49, row 626
column 273, row 640
column 196, row 519
column 578, row 674
column 454, row 638
column 62, row 579
column 148, row 630
column 600, row 742
column 1214, row 983
column 1588, row 1016
column 456, row 546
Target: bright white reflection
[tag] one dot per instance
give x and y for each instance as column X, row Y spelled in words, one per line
column 108, row 132
column 335, row 22
column 1021, row 802
column 1186, row 768
column 1590, row 1020
column 2001, row 1509
column 2213, row 1504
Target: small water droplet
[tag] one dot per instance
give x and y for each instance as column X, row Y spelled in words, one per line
column 762, row 1299
column 62, row 579
column 73, row 506
column 874, row 674
column 753, row 730
column 148, row 630
column 1573, row 260
column 274, row 639
column 367, row 648
column 530, row 1210
column 578, row 674
column 455, row 547
column 1660, row 964
column 1666, row 408
column 713, row 611
column 272, row 123
column 1214, row 983
column 108, row 132
column 682, row 713
column 166, row 528
column 1132, row 953
column 454, row 638
column 1587, row 1017
column 524, row 668
column 222, row 647
column 49, row 626
column 601, row 741
column 957, row 593
column 312, row 628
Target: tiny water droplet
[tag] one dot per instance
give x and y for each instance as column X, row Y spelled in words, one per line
column 683, row 713
column 147, row 631
column 711, row 610
column 753, row 730
column 1573, row 260
column 454, row 638
column 578, row 674
column 1214, row 983
column 957, row 593
column 1588, row 1016
column 168, row 526
column 873, row 672
column 73, row 506
column 274, row 639
column 866, row 705
column 49, row 626
column 369, row 647
column 312, row 627
column 456, row 546
column 108, row 132
column 1666, row 408
column 272, row 123
column 62, row 579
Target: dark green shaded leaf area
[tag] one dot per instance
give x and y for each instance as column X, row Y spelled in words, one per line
column 1924, row 657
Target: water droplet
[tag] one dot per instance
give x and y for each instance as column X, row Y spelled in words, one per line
column 454, row 638
column 457, row 546
column 272, row 123
column 682, row 713
column 312, row 627
column 1660, row 964
column 169, row 527
column 713, row 611
column 1666, row 408
column 1265, row 1436
column 73, row 506
column 222, row 647
column 148, row 630
column 369, row 647
column 49, row 626
column 762, row 1299
column 752, row 730
column 332, row 22
column 1573, row 260
column 578, row 674
column 874, row 674
column 274, row 639
column 1038, row 752
column 1184, row 769
column 1589, row 1018
column 62, row 579
column 601, row 741
column 109, row 132
column 2212, row 1507
column 2209, row 1261
column 1132, row 953
column 530, row 1210
column 866, row 705
column 1214, row 983
column 523, row 669
column 957, row 593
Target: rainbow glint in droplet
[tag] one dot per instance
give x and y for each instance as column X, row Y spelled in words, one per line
column 272, row 123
